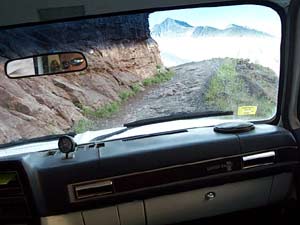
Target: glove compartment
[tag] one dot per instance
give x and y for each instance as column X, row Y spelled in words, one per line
column 207, row 202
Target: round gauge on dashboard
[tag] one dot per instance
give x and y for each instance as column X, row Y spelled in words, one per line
column 66, row 144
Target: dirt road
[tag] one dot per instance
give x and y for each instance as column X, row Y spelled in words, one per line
column 183, row 93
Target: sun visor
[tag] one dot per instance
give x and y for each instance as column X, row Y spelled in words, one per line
column 15, row 12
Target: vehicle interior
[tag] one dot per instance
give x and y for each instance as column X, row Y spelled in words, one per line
column 140, row 112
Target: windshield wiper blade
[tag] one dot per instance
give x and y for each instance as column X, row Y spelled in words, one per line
column 102, row 137
column 177, row 116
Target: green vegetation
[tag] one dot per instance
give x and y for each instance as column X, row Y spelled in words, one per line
column 136, row 88
column 225, row 88
column 82, row 125
column 228, row 90
column 106, row 111
column 125, row 95
column 110, row 108
column 160, row 77
column 265, row 108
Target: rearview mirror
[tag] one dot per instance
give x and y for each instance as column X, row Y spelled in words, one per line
column 45, row 65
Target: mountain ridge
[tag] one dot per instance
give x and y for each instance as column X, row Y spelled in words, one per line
column 177, row 28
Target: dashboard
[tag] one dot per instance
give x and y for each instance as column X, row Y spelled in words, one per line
column 163, row 179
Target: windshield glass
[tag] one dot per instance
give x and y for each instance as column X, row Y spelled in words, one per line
column 142, row 66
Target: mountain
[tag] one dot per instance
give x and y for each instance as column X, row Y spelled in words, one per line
column 176, row 28
column 236, row 30
column 206, row 32
column 170, row 27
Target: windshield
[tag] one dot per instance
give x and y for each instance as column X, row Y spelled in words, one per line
column 141, row 66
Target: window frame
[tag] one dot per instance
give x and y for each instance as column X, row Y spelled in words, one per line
column 277, row 8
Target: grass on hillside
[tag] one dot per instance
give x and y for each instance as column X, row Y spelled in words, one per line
column 228, row 91
column 82, row 125
column 158, row 78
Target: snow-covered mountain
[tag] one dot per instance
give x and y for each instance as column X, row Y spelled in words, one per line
column 180, row 42
column 176, row 28
column 232, row 30
column 170, row 27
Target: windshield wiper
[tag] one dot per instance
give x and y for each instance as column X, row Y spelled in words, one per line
column 24, row 141
column 177, row 116
column 102, row 137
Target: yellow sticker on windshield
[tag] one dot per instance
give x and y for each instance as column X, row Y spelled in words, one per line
column 247, row 110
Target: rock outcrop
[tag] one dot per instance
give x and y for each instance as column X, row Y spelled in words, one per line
column 120, row 53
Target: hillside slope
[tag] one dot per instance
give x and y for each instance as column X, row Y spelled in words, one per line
column 241, row 83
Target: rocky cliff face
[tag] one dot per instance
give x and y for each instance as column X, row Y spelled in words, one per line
column 120, row 53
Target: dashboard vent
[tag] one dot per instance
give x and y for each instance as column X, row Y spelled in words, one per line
column 15, row 198
column 261, row 159
column 92, row 189
column 10, row 184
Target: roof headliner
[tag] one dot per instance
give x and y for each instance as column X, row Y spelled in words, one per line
column 14, row 12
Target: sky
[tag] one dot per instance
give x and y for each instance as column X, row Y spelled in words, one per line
column 253, row 16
